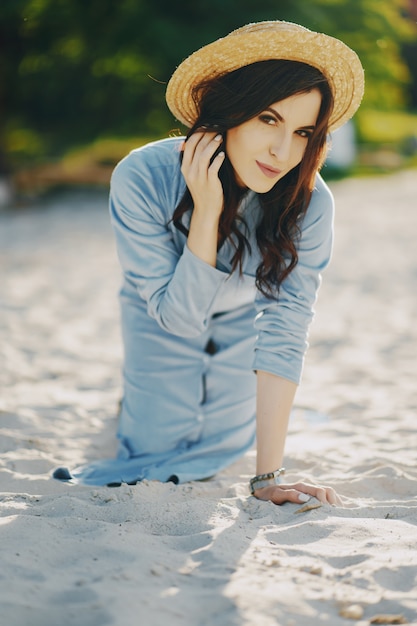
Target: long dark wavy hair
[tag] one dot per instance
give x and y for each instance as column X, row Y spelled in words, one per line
column 234, row 98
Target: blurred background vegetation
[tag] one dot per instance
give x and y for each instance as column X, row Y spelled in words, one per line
column 83, row 81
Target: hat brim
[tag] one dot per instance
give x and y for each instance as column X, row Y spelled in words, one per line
column 264, row 41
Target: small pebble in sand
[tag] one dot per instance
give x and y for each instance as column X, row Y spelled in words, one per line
column 313, row 504
column 352, row 611
column 388, row 619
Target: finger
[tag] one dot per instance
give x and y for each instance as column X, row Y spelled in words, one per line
column 189, row 147
column 206, row 149
column 216, row 164
column 333, row 497
column 291, row 495
column 199, row 138
column 326, row 495
column 277, row 495
column 199, row 149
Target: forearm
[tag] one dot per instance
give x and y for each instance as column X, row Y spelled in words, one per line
column 200, row 169
column 202, row 237
column 274, row 400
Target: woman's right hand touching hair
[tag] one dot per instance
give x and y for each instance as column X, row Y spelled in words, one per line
column 200, row 168
column 201, row 171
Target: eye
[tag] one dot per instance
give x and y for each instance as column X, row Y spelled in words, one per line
column 267, row 118
column 306, row 134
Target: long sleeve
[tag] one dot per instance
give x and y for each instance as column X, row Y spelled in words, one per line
column 177, row 286
column 283, row 323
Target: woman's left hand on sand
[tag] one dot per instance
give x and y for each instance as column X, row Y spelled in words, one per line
column 298, row 493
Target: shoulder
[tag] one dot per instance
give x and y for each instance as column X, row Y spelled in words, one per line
column 152, row 171
column 322, row 200
column 320, row 211
column 156, row 159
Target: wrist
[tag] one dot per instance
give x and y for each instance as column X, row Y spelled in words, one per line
column 204, row 219
column 266, row 480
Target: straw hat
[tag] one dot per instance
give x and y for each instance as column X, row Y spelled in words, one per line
column 270, row 40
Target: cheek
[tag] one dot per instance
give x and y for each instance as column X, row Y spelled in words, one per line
column 235, row 147
column 299, row 150
column 232, row 141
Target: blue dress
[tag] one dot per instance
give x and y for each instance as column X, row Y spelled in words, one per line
column 194, row 335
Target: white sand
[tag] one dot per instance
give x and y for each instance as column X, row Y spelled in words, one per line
column 207, row 553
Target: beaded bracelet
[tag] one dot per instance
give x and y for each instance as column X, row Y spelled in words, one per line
column 263, row 480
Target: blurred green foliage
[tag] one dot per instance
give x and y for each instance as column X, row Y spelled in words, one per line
column 73, row 71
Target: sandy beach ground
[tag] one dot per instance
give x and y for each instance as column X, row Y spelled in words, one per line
column 208, row 553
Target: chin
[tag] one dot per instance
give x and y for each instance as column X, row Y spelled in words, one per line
column 261, row 184
column 262, row 188
column 257, row 184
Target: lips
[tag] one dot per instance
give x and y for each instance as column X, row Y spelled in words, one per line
column 270, row 172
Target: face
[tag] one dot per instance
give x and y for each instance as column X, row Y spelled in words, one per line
column 265, row 148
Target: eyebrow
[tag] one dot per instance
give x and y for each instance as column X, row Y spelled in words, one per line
column 281, row 119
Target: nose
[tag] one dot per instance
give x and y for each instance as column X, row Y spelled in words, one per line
column 281, row 146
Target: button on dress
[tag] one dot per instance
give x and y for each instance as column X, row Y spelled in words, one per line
column 195, row 335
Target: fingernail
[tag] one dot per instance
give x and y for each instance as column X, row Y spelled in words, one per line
column 304, row 497
column 218, row 138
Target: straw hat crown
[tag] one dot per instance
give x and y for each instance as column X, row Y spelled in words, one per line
column 268, row 40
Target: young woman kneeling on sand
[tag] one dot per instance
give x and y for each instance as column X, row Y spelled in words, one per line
column 222, row 237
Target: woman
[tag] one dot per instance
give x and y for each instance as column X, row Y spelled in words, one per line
column 222, row 238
